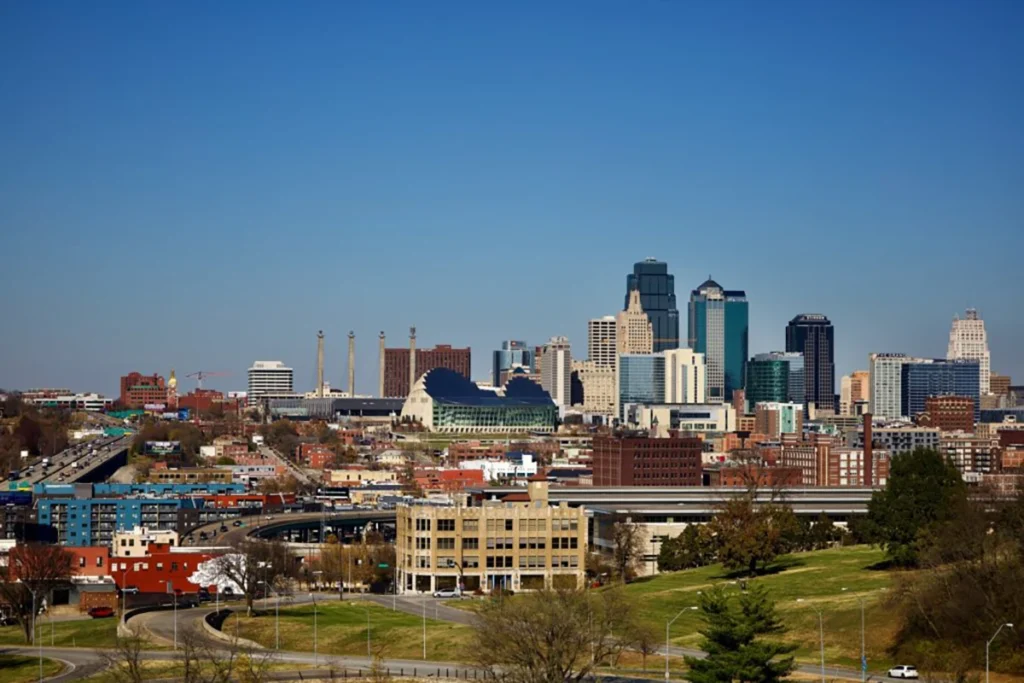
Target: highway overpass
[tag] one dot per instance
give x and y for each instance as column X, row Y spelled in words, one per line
column 300, row 527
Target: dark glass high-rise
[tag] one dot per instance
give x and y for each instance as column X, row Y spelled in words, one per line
column 812, row 335
column 658, row 298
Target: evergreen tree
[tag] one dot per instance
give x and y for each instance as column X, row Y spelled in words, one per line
column 734, row 642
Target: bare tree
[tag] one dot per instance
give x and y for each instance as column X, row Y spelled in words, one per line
column 32, row 571
column 253, row 566
column 124, row 662
column 552, row 636
column 628, row 549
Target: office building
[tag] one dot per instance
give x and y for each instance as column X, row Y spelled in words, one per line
column 812, row 335
column 446, row 401
column 707, row 418
column 556, row 370
column 641, row 380
column 397, row 366
column 938, row 377
column 658, row 298
column 138, row 390
column 270, row 379
column 602, row 341
column 685, row 376
column 512, row 354
column 854, row 390
column 516, row 545
column 999, row 384
column 774, row 419
column 968, row 341
column 598, row 385
column 639, row 460
column 775, row 377
column 885, row 371
column 634, row 331
column 896, row 440
column 718, row 328
column 90, row 403
column 948, row 413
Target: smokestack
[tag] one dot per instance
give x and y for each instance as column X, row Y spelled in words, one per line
column 381, row 392
column 351, row 363
column 412, row 358
column 869, row 454
column 320, row 363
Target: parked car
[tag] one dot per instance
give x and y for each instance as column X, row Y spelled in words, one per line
column 101, row 612
column 130, row 590
column 448, row 593
column 903, row 671
column 237, row 522
column 8, row 621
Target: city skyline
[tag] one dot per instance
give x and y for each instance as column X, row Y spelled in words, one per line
column 334, row 167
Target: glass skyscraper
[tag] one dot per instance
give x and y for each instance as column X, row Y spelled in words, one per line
column 923, row 378
column 641, row 380
column 658, row 298
column 511, row 354
column 718, row 327
column 812, row 335
column 775, row 377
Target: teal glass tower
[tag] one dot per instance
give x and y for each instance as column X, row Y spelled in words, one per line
column 718, row 326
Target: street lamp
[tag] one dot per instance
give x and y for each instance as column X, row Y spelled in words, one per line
column 311, row 595
column 668, row 626
column 987, row 645
column 124, row 595
column 277, row 615
column 863, row 652
column 821, row 633
column 367, row 608
column 424, row 628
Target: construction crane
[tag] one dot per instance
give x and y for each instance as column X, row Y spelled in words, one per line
column 200, row 374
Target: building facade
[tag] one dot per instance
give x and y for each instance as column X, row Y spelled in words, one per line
column 396, row 366
column 714, row 418
column 718, row 325
column 885, row 372
column 897, row 440
column 270, row 378
column 93, row 521
column 517, row 546
column 634, row 331
column 641, row 380
column 556, row 370
column 599, row 388
column 657, row 290
column 854, row 390
column 776, row 377
column 685, row 376
column 948, row 413
column 602, row 341
column 639, row 460
column 925, row 378
column 969, row 341
column 774, row 418
column 138, row 390
column 812, row 335
column 512, row 354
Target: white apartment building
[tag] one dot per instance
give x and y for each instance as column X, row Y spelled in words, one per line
column 556, row 370
column 685, row 376
column 968, row 341
column 270, row 378
column 635, row 334
column 602, row 341
column 599, row 386
column 886, row 381
column 136, row 542
column 91, row 403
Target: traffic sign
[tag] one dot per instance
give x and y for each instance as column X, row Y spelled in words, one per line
column 382, row 565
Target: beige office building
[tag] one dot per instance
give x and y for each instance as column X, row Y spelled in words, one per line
column 598, row 386
column 527, row 545
column 602, row 344
column 635, row 333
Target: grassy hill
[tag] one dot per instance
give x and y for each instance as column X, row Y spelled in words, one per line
column 801, row 584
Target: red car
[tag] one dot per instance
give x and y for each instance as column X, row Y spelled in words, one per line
column 101, row 612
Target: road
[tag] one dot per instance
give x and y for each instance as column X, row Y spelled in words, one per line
column 252, row 523
column 73, row 463
column 294, row 469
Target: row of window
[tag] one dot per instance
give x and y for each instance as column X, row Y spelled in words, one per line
column 494, row 525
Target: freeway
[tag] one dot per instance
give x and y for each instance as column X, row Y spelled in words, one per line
column 78, row 462
column 295, row 470
column 264, row 526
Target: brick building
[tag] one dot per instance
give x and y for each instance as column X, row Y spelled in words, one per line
column 846, row 467
column 948, row 413
column 970, row 453
column 138, row 390
column 810, row 455
column 396, row 366
column 315, row 455
column 746, row 474
column 209, row 400
column 635, row 460
column 459, row 451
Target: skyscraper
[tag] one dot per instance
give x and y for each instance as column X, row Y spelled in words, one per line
column 685, row 376
column 853, row 389
column 718, row 327
column 556, row 370
column 641, row 380
column 634, row 331
column 926, row 377
column 775, row 377
column 511, row 354
column 399, row 362
column 885, row 371
column 658, row 298
column 968, row 341
column 602, row 341
column 812, row 335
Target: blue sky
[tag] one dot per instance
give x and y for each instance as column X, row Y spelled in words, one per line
column 199, row 185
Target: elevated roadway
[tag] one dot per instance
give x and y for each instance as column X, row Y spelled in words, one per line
column 86, row 462
column 302, row 524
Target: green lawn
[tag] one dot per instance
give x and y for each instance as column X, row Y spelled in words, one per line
column 82, row 633
column 341, row 630
column 22, row 669
column 800, row 584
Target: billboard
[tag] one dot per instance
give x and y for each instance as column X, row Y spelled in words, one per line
column 155, row 407
column 162, row 447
